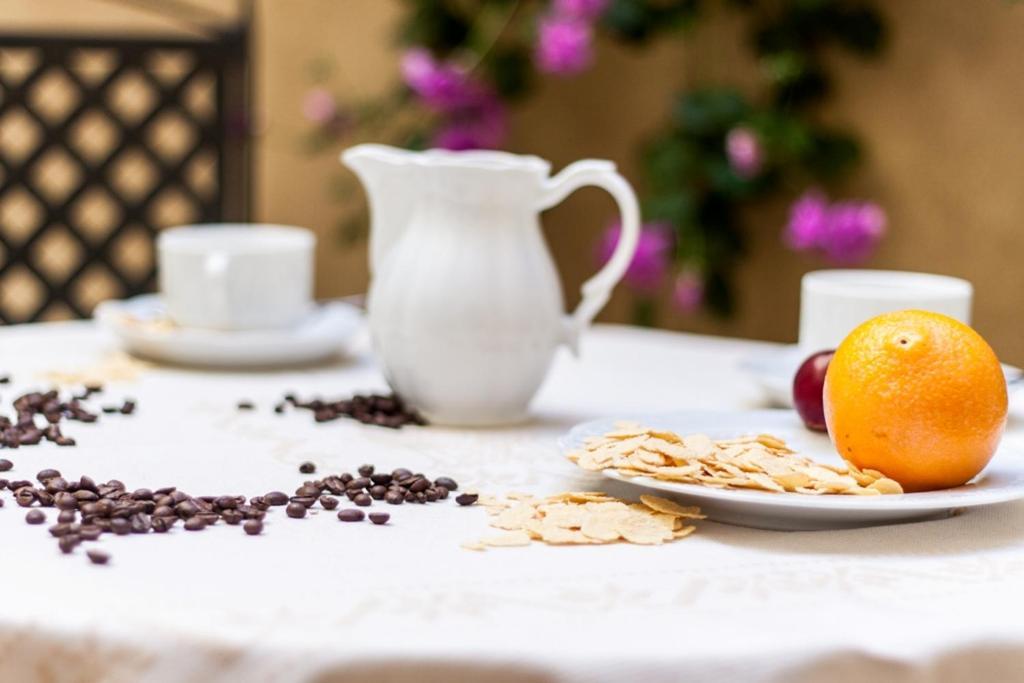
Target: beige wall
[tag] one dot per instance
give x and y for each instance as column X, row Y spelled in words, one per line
column 942, row 115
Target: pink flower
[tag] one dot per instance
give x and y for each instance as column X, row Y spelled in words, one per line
column 440, row 85
column 854, row 229
column 808, row 221
column 479, row 127
column 646, row 271
column 744, row 151
column 563, row 45
column 588, row 10
column 845, row 232
column 688, row 291
column 319, row 107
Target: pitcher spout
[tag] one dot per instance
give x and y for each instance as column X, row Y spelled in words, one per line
column 384, row 172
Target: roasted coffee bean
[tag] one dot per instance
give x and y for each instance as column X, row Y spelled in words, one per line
column 35, row 517
column 442, row 492
column 83, row 496
column 335, row 485
column 307, row 490
column 5, row 379
column 232, row 517
column 362, row 500
column 431, row 495
column 328, row 502
column 25, row 496
column 351, row 515
column 381, row 479
column 304, row 501
column 365, row 470
column 186, row 509
column 226, row 502
column 97, row 556
column 359, row 483
column 142, row 494
column 64, row 441
column 140, row 523
column 128, row 407
column 46, row 475
column 410, row 497
column 276, row 498
column 419, row 485
column 89, row 532
column 394, row 498
column 67, row 516
column 378, row 492
column 379, row 517
column 6, row 465
column 194, row 524
column 253, row 527
column 245, row 405
column 295, row 510
column 307, row 468
column 466, row 498
column 279, row 408
column 446, row 482
column 68, row 543
column 120, row 526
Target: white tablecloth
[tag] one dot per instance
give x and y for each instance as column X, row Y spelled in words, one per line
column 318, row 600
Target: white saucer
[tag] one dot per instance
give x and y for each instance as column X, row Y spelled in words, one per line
column 774, row 370
column 143, row 329
column 1002, row 480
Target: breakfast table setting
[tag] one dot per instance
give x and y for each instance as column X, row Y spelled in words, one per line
column 228, row 480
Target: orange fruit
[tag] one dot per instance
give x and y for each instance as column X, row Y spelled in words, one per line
column 917, row 396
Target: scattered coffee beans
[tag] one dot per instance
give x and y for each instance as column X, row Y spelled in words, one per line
column 24, row 429
column 307, row 468
column 35, row 517
column 89, row 509
column 466, row 498
column 97, row 556
column 351, row 515
column 6, row 465
column 374, row 409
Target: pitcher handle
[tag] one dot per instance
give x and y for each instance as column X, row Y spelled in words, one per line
column 597, row 290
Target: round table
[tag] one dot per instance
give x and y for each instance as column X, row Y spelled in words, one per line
column 318, row 600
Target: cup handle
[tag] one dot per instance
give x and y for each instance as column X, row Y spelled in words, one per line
column 215, row 267
column 597, row 290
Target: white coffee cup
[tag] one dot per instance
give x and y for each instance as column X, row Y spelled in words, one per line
column 236, row 276
column 833, row 302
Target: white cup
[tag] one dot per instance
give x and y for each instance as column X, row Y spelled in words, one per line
column 236, row 276
column 833, row 302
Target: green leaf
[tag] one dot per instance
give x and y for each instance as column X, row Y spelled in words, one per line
column 678, row 208
column 435, row 25
column 831, row 154
column 510, row 71
column 672, row 162
column 710, row 112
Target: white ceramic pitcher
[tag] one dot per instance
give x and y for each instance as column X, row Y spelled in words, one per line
column 465, row 305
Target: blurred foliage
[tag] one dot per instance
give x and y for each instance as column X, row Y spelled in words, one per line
column 690, row 182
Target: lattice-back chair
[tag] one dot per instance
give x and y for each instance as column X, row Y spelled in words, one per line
column 103, row 141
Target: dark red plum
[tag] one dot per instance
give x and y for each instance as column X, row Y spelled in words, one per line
column 808, row 386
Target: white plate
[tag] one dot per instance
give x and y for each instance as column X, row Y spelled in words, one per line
column 141, row 326
column 774, row 371
column 1002, row 480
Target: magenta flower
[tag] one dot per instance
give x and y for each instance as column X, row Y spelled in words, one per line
column 743, row 149
column 443, row 86
column 478, row 127
column 563, row 45
column 854, row 229
column 587, row 10
column 688, row 291
column 845, row 232
column 808, row 221
column 319, row 107
column 647, row 270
